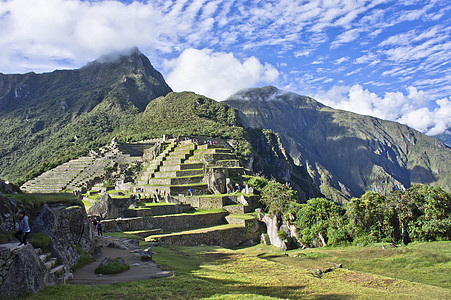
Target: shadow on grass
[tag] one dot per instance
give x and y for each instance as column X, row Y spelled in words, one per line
column 199, row 272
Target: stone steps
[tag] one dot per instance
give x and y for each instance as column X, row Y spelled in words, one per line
column 176, row 180
column 50, row 263
column 185, row 166
column 181, row 173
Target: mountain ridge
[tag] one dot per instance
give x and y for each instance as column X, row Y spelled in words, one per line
column 47, row 119
column 380, row 155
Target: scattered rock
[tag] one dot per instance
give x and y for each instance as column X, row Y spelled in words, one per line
column 116, row 245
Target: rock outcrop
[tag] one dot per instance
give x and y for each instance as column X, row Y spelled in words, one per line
column 6, row 214
column 109, row 208
column 66, row 227
column 26, row 273
column 8, row 188
column 274, row 228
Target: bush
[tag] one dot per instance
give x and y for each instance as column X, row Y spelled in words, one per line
column 40, row 240
column 113, row 267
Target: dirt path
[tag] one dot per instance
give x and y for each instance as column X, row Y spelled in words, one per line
column 139, row 270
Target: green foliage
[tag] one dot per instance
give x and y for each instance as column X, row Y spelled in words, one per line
column 320, row 219
column 257, row 183
column 84, row 259
column 40, row 240
column 112, row 268
column 282, row 235
column 370, row 218
column 278, row 197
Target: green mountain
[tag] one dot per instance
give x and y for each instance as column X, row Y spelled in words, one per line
column 46, row 119
column 346, row 154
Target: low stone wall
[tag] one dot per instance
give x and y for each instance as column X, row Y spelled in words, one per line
column 158, row 210
column 170, row 222
column 204, row 202
column 228, row 238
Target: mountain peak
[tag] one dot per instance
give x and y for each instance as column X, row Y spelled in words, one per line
column 118, row 56
column 270, row 94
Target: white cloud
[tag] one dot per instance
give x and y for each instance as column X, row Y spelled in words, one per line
column 341, row 60
column 409, row 108
column 217, row 74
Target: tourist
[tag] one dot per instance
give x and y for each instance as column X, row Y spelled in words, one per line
column 99, row 228
column 24, row 228
column 190, row 192
column 94, row 222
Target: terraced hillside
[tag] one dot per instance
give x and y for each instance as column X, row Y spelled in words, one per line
column 181, row 172
column 184, row 168
column 84, row 172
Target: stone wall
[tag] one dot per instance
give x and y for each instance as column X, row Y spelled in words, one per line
column 22, row 272
column 158, row 210
column 6, row 214
column 204, row 202
column 170, row 223
column 228, row 238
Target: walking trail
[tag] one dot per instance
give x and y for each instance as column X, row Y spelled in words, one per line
column 139, row 270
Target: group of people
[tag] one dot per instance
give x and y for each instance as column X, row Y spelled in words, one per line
column 97, row 223
column 179, row 139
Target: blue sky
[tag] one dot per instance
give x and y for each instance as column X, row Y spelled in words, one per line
column 389, row 59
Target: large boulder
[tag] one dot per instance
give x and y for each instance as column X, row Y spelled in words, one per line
column 274, row 228
column 27, row 274
column 109, row 208
column 217, row 181
column 6, row 214
column 66, row 227
column 8, row 188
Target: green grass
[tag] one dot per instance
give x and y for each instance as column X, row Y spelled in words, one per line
column 427, row 263
column 87, row 204
column 84, row 259
column 195, row 212
column 191, row 230
column 41, row 199
column 123, row 234
column 242, row 216
column 254, row 273
column 40, row 240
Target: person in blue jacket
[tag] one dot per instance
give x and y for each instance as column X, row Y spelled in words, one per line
column 24, row 228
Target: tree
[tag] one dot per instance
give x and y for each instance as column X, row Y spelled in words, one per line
column 370, row 218
column 278, row 197
column 322, row 222
column 435, row 220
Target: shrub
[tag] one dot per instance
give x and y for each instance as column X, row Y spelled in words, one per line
column 40, row 240
column 112, row 267
column 282, row 235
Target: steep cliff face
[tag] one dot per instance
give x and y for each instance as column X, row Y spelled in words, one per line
column 270, row 158
column 345, row 153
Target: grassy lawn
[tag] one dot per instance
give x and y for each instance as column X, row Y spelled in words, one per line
column 38, row 198
column 262, row 272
